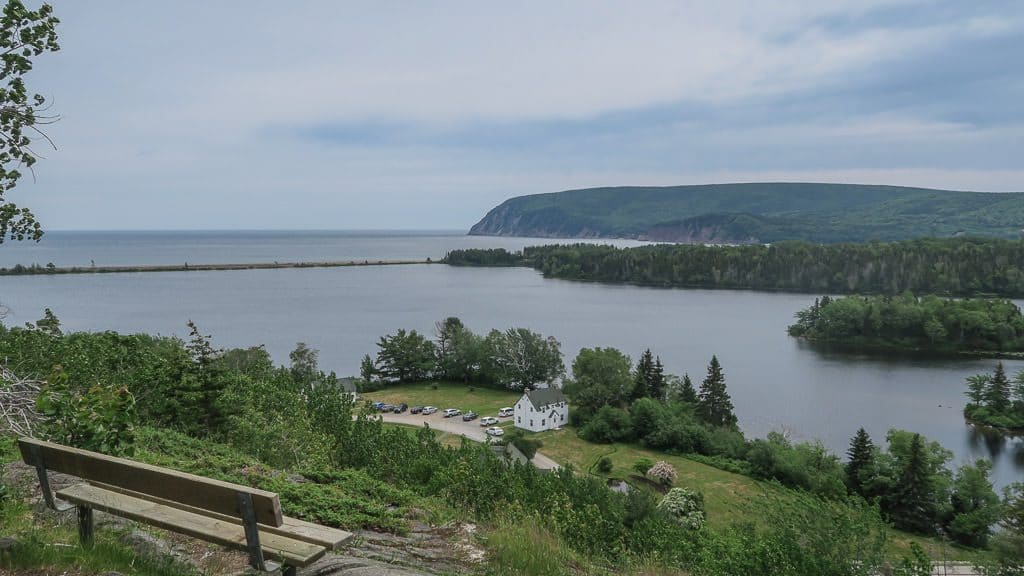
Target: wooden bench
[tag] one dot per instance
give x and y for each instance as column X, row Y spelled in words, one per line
column 229, row 514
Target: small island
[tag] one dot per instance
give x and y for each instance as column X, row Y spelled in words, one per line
column 996, row 401
column 985, row 327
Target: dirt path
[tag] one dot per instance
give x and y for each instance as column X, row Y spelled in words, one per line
column 472, row 430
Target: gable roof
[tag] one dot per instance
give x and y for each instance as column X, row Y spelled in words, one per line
column 348, row 384
column 542, row 397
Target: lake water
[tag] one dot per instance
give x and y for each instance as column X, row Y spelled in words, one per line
column 776, row 382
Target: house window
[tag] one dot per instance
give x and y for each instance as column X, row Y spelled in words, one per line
column 543, row 422
column 563, row 417
column 519, row 419
column 531, row 423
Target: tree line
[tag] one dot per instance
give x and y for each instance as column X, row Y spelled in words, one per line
column 955, row 267
column 995, row 400
column 516, row 359
column 914, row 323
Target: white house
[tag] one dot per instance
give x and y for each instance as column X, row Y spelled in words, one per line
column 542, row 409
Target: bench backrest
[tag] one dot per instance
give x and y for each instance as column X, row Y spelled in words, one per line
column 189, row 489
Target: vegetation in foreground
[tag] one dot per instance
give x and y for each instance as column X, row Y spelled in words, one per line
column 232, row 414
column 952, row 267
column 909, row 323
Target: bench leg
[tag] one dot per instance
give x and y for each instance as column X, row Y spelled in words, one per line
column 85, row 525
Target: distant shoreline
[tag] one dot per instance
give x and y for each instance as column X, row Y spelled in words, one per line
column 49, row 269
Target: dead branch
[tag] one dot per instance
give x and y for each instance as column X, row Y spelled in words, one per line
column 18, row 412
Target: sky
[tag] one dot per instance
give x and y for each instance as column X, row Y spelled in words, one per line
column 424, row 115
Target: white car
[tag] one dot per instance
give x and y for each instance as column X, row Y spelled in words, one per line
column 427, row 410
column 495, row 431
column 449, row 412
column 488, row 421
column 505, row 412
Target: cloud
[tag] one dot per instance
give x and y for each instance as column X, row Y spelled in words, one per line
column 421, row 115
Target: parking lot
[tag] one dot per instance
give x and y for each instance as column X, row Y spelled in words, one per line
column 472, row 429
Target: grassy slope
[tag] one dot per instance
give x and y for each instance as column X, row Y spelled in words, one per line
column 728, row 497
column 772, row 211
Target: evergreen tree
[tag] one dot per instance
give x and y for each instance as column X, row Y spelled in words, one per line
column 997, row 394
column 861, row 462
column 913, row 508
column 656, row 386
column 642, row 376
column 714, row 405
column 687, row 393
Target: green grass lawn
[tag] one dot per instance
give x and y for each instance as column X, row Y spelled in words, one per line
column 728, row 497
column 483, row 401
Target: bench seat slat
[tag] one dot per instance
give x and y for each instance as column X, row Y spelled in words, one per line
column 330, row 538
column 227, row 533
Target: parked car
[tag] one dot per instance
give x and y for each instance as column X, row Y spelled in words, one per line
column 494, row 431
column 449, row 412
column 428, row 410
column 415, row 409
column 469, row 416
column 506, row 412
column 376, row 405
column 401, row 408
column 488, row 421
column 386, row 407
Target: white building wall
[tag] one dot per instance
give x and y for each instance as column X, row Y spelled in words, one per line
column 525, row 417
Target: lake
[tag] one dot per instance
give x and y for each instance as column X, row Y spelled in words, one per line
column 776, row 382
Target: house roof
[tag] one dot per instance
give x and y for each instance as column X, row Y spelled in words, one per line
column 542, row 397
column 347, row 384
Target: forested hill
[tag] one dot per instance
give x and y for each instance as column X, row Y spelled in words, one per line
column 757, row 213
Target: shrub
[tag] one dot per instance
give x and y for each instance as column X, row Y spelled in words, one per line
column 604, row 465
column 663, row 472
column 608, row 425
column 101, row 418
column 642, row 465
column 686, row 506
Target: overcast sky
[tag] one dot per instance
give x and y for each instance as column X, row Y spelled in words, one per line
column 424, row 115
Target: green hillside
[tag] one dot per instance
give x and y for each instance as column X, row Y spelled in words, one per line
column 759, row 212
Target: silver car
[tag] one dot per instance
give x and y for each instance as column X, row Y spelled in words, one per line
column 429, row 410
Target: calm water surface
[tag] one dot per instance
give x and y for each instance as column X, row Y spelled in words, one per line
column 776, row 382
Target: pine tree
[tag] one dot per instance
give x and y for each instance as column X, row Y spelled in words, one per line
column 688, row 393
column 656, row 386
column 642, row 376
column 714, row 405
column 861, row 461
column 914, row 508
column 997, row 394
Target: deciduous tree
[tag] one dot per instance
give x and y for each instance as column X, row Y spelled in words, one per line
column 24, row 34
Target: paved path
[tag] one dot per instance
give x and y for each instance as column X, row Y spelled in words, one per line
column 472, row 430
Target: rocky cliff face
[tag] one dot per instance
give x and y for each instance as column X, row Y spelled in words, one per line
column 508, row 220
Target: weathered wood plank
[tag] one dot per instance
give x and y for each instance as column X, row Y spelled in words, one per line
column 330, row 538
column 227, row 533
column 203, row 493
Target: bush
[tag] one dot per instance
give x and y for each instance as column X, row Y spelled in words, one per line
column 528, row 446
column 686, row 506
column 663, row 472
column 642, row 465
column 608, row 425
column 604, row 465
column 101, row 418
